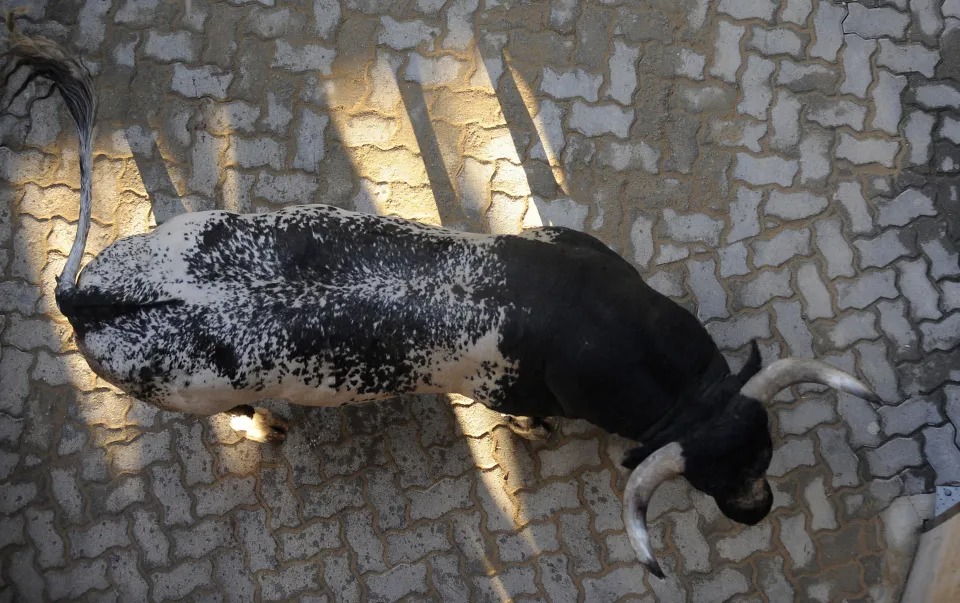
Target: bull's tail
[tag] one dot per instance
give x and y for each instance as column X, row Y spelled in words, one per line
column 44, row 58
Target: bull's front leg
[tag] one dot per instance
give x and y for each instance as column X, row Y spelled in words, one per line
column 258, row 424
column 532, row 428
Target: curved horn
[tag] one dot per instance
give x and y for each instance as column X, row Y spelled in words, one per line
column 665, row 463
column 789, row 371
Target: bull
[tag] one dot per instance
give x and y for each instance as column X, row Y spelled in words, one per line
column 212, row 311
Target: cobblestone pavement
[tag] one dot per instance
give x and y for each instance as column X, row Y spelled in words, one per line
column 787, row 170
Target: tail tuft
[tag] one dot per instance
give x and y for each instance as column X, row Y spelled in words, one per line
column 44, row 58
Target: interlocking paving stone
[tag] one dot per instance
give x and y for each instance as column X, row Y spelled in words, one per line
column 733, row 260
column 399, row 580
column 201, row 539
column 942, row 452
column 828, row 27
column 42, row 531
column 848, row 330
column 796, row 540
column 65, row 490
column 726, row 57
column 853, row 112
column 358, row 528
column 943, row 261
column 917, row 289
column 583, row 549
column 775, row 41
column 881, row 250
column 143, row 451
column 919, row 134
column 806, row 77
column 443, row 496
column 309, row 540
column 856, row 65
column 793, row 206
column 839, row 457
column 148, row 535
column 893, row 456
column 909, row 415
column 526, row 543
column 722, row 585
column 906, row 58
column 571, row 84
column 449, row 582
column 807, row 414
column 790, row 455
column 689, row 540
column 293, row 579
column 740, row 330
column 791, row 328
column 762, row 288
column 905, row 207
column 603, row 500
column 519, row 580
column 338, row 575
column 781, row 247
column 831, row 113
column 620, row 582
column 756, row 87
column 743, row 544
column 875, row 22
column 822, row 513
column 415, row 544
column 863, row 151
column 125, row 576
column 83, row 576
column 868, row 288
column 706, row 288
column 942, row 335
column 257, row 540
column 102, row 535
column 797, row 11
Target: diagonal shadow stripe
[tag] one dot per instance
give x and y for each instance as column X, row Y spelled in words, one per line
column 445, row 196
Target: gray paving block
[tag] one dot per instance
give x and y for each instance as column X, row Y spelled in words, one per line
column 836, row 451
column 893, row 456
column 916, row 287
column 710, row 296
column 689, row 540
column 907, row 58
column 781, row 247
column 762, row 288
column 908, row 416
column 720, row 585
column 942, row 452
column 748, row 541
column 875, row 22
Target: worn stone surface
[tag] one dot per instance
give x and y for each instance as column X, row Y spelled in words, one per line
column 786, row 170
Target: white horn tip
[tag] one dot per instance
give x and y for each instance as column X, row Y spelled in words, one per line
column 654, row 567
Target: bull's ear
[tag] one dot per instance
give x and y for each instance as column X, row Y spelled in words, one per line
column 753, row 364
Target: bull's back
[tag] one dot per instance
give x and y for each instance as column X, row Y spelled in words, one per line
column 315, row 304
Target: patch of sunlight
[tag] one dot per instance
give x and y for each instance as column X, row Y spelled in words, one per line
column 509, row 190
column 378, row 140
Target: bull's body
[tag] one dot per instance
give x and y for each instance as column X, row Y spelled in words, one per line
column 323, row 307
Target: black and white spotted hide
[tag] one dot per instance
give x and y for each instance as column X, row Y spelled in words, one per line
column 314, row 304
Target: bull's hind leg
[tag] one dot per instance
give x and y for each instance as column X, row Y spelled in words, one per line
column 258, row 424
column 532, row 428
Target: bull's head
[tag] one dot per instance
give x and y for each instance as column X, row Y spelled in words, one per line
column 726, row 452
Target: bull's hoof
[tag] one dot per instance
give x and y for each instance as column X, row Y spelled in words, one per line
column 532, row 428
column 263, row 426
